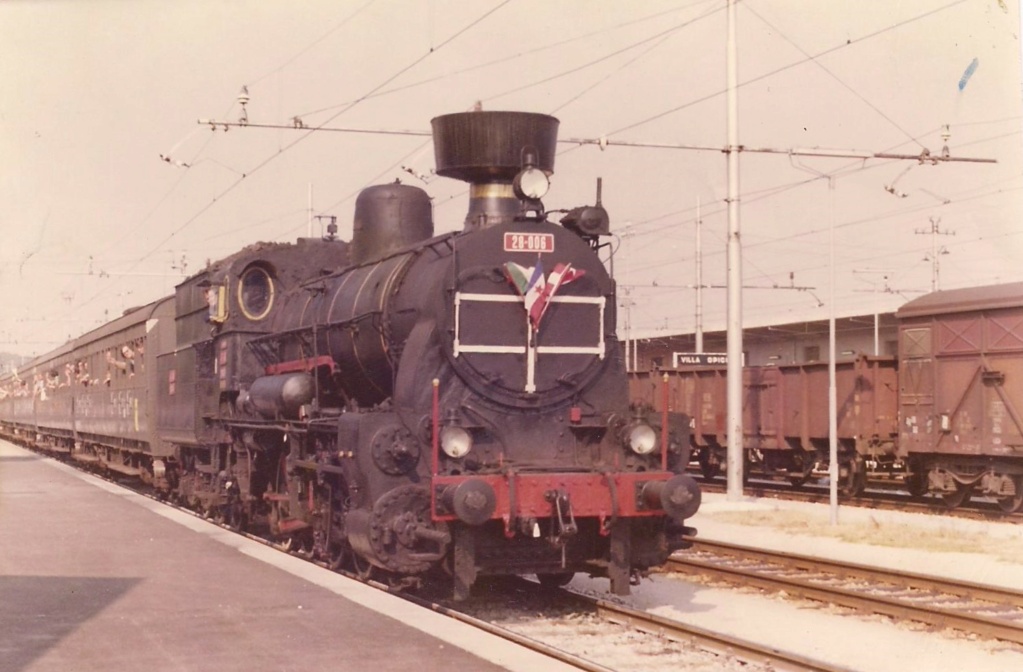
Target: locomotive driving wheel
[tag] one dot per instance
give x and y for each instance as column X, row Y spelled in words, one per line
column 362, row 567
column 338, row 549
column 336, row 557
column 1014, row 502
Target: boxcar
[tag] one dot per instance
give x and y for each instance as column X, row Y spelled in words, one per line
column 961, row 392
column 785, row 417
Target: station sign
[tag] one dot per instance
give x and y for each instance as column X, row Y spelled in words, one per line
column 699, row 359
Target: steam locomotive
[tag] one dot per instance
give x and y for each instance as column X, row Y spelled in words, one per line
column 409, row 405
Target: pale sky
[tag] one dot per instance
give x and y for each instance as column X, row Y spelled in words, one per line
column 92, row 93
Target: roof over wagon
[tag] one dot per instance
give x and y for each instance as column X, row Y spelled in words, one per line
column 968, row 299
column 142, row 314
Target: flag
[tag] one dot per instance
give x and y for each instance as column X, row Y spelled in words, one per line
column 561, row 275
column 533, row 294
column 536, row 290
column 519, row 276
column 529, row 282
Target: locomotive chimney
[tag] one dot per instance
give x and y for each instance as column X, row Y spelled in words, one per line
column 505, row 157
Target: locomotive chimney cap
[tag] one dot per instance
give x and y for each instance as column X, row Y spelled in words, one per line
column 484, row 146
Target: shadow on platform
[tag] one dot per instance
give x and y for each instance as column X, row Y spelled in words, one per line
column 37, row 612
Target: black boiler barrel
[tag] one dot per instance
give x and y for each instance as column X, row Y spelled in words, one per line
column 363, row 316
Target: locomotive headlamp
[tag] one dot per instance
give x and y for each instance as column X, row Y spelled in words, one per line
column 641, row 438
column 455, row 441
column 531, row 184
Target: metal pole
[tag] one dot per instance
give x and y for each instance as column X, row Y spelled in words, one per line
column 628, row 333
column 664, row 423
column 832, row 385
column 628, row 312
column 734, row 348
column 877, row 318
column 699, row 281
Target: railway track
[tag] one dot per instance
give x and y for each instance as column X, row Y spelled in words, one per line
column 880, row 500
column 987, row 611
column 705, row 649
column 721, row 644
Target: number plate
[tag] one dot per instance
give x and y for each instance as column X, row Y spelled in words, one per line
column 528, row 242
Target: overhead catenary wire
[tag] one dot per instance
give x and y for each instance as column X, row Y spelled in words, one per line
column 617, row 52
column 349, row 196
column 304, row 50
column 509, row 58
column 838, row 47
column 746, row 6
column 768, row 192
column 284, row 149
column 877, row 256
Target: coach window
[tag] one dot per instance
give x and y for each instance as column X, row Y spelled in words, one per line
column 256, row 293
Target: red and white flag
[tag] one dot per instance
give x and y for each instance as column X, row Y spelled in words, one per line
column 561, row 275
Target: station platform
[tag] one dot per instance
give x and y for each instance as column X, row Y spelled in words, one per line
column 94, row 577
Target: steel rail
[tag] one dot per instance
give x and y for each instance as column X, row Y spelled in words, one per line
column 963, row 618
column 882, row 501
column 709, row 640
column 504, row 633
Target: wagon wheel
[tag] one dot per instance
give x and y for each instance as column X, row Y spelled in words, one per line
column 555, row 579
column 710, row 465
column 799, row 480
column 955, row 499
column 855, row 482
column 916, row 483
column 805, row 470
column 1013, row 503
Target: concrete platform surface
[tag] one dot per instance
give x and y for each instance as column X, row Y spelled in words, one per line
column 95, row 578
